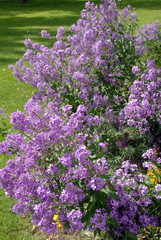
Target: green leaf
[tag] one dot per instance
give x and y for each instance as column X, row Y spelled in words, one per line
column 148, row 183
column 91, row 203
column 130, row 235
column 110, row 193
column 101, row 199
column 158, row 175
column 104, row 176
column 112, row 222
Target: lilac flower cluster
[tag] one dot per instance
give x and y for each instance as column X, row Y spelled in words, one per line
column 98, row 221
column 130, row 208
column 144, row 102
column 40, row 180
column 92, row 99
column 146, row 36
column 2, row 112
column 92, row 56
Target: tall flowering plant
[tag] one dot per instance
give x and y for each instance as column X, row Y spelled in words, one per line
column 75, row 150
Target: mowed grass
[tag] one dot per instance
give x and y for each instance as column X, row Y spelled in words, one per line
column 21, row 21
column 147, row 10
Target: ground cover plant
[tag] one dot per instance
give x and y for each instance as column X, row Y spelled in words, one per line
column 86, row 154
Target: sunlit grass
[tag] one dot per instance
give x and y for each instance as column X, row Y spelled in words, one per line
column 147, row 10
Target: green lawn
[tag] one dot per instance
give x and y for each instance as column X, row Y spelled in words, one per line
column 20, row 21
column 147, row 10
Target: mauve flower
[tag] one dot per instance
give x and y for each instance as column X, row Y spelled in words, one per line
column 44, row 33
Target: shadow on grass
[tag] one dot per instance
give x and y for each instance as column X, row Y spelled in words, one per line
column 41, row 5
column 17, row 29
column 21, row 21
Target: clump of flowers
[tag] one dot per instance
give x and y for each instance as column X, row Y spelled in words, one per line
column 154, row 174
column 80, row 137
column 147, row 38
column 143, row 108
column 57, row 221
column 135, row 196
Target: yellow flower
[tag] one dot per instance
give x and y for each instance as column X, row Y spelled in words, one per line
column 155, row 152
column 57, row 221
column 152, row 176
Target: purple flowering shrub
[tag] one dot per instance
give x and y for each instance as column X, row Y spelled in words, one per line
column 137, row 196
column 79, row 145
column 91, row 65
